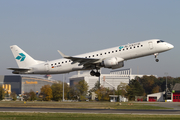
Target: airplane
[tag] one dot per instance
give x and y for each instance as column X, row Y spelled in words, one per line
column 111, row 58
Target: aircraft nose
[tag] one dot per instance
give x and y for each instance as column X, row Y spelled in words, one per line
column 170, row 46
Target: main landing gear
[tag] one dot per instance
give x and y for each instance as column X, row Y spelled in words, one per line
column 93, row 73
column 156, row 55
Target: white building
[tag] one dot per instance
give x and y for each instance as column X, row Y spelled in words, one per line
column 156, row 97
column 110, row 81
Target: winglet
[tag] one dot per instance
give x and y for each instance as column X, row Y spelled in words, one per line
column 63, row 55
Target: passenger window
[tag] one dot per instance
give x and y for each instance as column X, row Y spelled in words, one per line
column 109, row 52
column 104, row 53
column 55, row 63
column 93, row 55
column 130, row 47
column 126, row 48
column 141, row 45
column 97, row 55
column 101, row 54
column 116, row 50
column 137, row 46
column 123, row 49
column 59, row 63
column 62, row 62
column 134, row 47
column 119, row 50
column 51, row 64
column 112, row 51
column 66, row 61
column 89, row 56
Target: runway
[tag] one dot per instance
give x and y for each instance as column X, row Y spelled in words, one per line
column 94, row 111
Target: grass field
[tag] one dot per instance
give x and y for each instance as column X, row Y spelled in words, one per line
column 96, row 105
column 73, row 116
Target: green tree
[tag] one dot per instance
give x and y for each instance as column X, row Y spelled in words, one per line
column 79, row 91
column 13, row 96
column 96, row 87
column 148, row 83
column 121, row 89
column 46, row 92
column 82, row 87
column 32, row 95
column 2, row 93
column 57, row 91
column 134, row 89
column 74, row 93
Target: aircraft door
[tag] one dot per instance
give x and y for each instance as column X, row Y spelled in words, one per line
column 150, row 45
column 46, row 66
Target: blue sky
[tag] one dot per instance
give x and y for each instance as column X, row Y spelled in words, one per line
column 77, row 26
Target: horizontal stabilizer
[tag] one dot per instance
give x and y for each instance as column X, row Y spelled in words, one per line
column 19, row 69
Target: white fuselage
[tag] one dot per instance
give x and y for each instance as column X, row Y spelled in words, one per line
column 125, row 52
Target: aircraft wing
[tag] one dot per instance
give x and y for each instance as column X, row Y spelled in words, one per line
column 18, row 69
column 82, row 61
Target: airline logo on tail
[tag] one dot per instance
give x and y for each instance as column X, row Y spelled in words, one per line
column 21, row 57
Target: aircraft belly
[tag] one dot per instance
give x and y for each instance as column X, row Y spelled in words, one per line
column 61, row 69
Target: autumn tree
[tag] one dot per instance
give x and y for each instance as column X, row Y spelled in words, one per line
column 46, row 92
column 103, row 93
column 155, row 89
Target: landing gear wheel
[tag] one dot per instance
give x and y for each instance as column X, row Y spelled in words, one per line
column 157, row 60
column 92, row 73
column 97, row 74
column 156, row 55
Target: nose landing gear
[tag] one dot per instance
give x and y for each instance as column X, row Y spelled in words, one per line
column 156, row 55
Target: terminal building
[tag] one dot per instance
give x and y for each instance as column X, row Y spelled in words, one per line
column 110, row 81
column 22, row 84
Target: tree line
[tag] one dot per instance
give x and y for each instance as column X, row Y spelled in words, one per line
column 140, row 86
column 55, row 92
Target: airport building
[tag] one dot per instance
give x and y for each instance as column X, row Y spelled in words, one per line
column 176, row 93
column 110, row 81
column 173, row 96
column 22, row 84
column 156, row 97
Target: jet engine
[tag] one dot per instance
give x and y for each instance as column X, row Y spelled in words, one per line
column 113, row 63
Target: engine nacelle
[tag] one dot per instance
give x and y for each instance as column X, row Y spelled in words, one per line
column 113, row 63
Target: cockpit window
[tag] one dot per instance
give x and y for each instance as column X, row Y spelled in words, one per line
column 160, row 41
